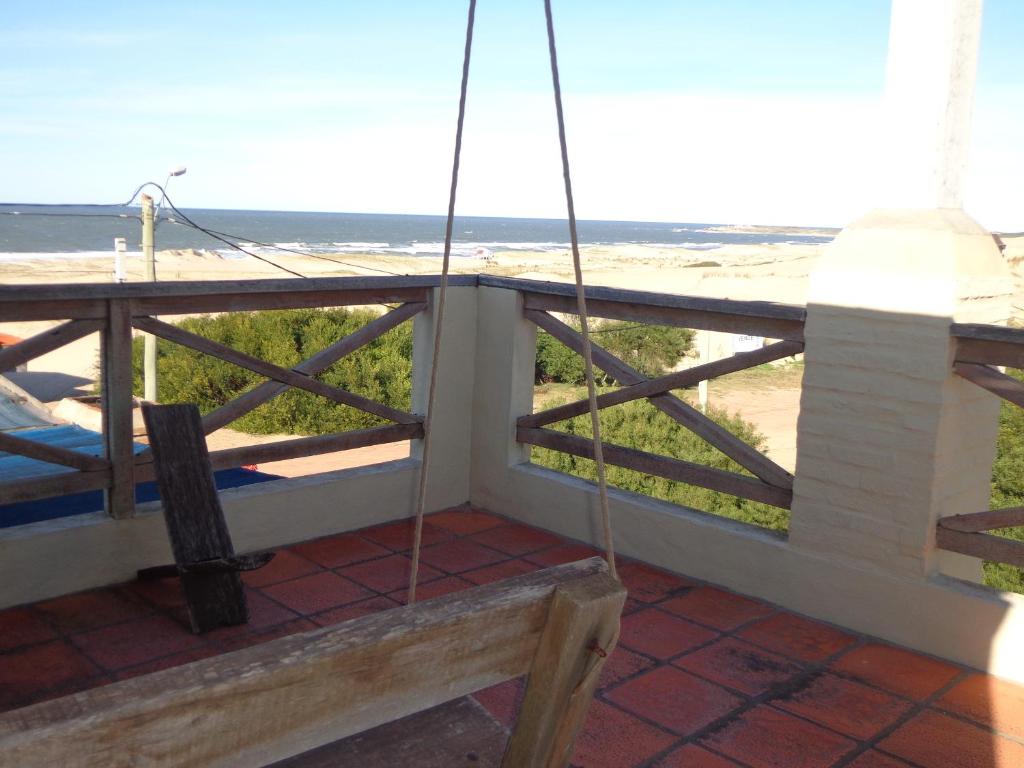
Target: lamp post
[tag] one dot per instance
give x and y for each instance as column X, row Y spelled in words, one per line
column 179, row 171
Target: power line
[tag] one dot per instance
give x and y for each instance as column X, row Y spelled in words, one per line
column 69, row 214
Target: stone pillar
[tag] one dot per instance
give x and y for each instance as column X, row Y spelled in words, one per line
column 889, row 439
column 448, row 484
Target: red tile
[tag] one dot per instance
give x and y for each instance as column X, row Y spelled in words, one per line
column 266, row 635
column 897, row 670
column 20, row 626
column 767, row 738
column 354, row 611
column 717, row 608
column 797, row 637
column 24, row 674
column 845, row 706
column 163, row 593
column 740, row 666
column 873, row 759
column 133, row 642
column 336, row 551
column 91, row 610
column 286, row 565
column 933, row 740
column 610, row 738
column 621, row 664
column 516, row 539
column 660, row 634
column 995, row 703
column 503, row 700
column 500, row 571
column 432, row 589
column 399, row 535
column 460, row 555
column 388, row 573
column 464, row 521
column 167, row 662
column 649, row 584
column 316, row 593
column 564, row 553
column 692, row 756
column 674, row 699
column 263, row 613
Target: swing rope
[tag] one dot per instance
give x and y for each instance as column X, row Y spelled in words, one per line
column 580, row 303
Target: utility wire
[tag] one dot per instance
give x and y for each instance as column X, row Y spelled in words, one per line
column 73, row 215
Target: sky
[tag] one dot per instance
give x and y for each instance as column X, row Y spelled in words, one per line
column 732, row 111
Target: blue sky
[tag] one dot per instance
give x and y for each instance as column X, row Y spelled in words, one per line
column 680, row 110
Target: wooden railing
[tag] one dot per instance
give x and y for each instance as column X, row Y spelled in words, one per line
column 770, row 483
column 978, row 348
column 114, row 310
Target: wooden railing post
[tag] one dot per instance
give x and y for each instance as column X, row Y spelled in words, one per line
column 116, row 356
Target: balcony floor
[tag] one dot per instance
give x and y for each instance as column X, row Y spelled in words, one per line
column 702, row 678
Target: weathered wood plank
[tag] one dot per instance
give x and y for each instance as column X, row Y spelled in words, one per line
column 246, row 302
column 295, row 449
column 192, row 511
column 1011, row 517
column 581, row 630
column 982, row 545
column 662, row 384
column 47, row 341
column 737, row 450
column 24, row 309
column 661, row 466
column 276, row 372
column 315, row 364
column 995, row 382
column 678, row 316
column 117, row 401
column 11, row 443
column 288, row 696
column 990, row 352
column 48, row 486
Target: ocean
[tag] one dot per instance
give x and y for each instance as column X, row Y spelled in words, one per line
column 86, row 230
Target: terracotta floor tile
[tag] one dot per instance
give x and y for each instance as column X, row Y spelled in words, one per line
column 317, row 592
column 398, row 535
column 564, row 553
column 167, row 662
column 660, row 634
column 285, row 566
column 133, row 642
column 797, row 637
column 896, row 669
column 354, row 610
column 934, row 740
column 27, row 672
column 674, row 700
column 336, row 551
column 460, row 555
column 621, row 664
column 388, row 573
column 995, row 703
column 263, row 613
column 515, row 539
column 266, row 635
column 20, row 626
column 648, row 584
column 503, row 700
column 89, row 610
column 162, row 593
column 740, row 666
column 717, row 608
column 844, row 705
column 692, row 756
column 613, row 739
column 465, row 521
column 874, row 759
column 500, row 571
column 432, row 589
column 767, row 738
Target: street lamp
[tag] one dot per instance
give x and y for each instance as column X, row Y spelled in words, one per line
column 179, row 171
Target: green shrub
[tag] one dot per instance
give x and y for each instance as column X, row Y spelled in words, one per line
column 381, row 370
column 640, row 425
column 652, row 349
column 1008, row 488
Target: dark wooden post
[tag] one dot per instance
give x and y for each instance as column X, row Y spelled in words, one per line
column 116, row 356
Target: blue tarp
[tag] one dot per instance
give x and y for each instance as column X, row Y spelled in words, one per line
column 83, row 440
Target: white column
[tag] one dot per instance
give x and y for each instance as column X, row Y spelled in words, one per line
column 933, row 56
